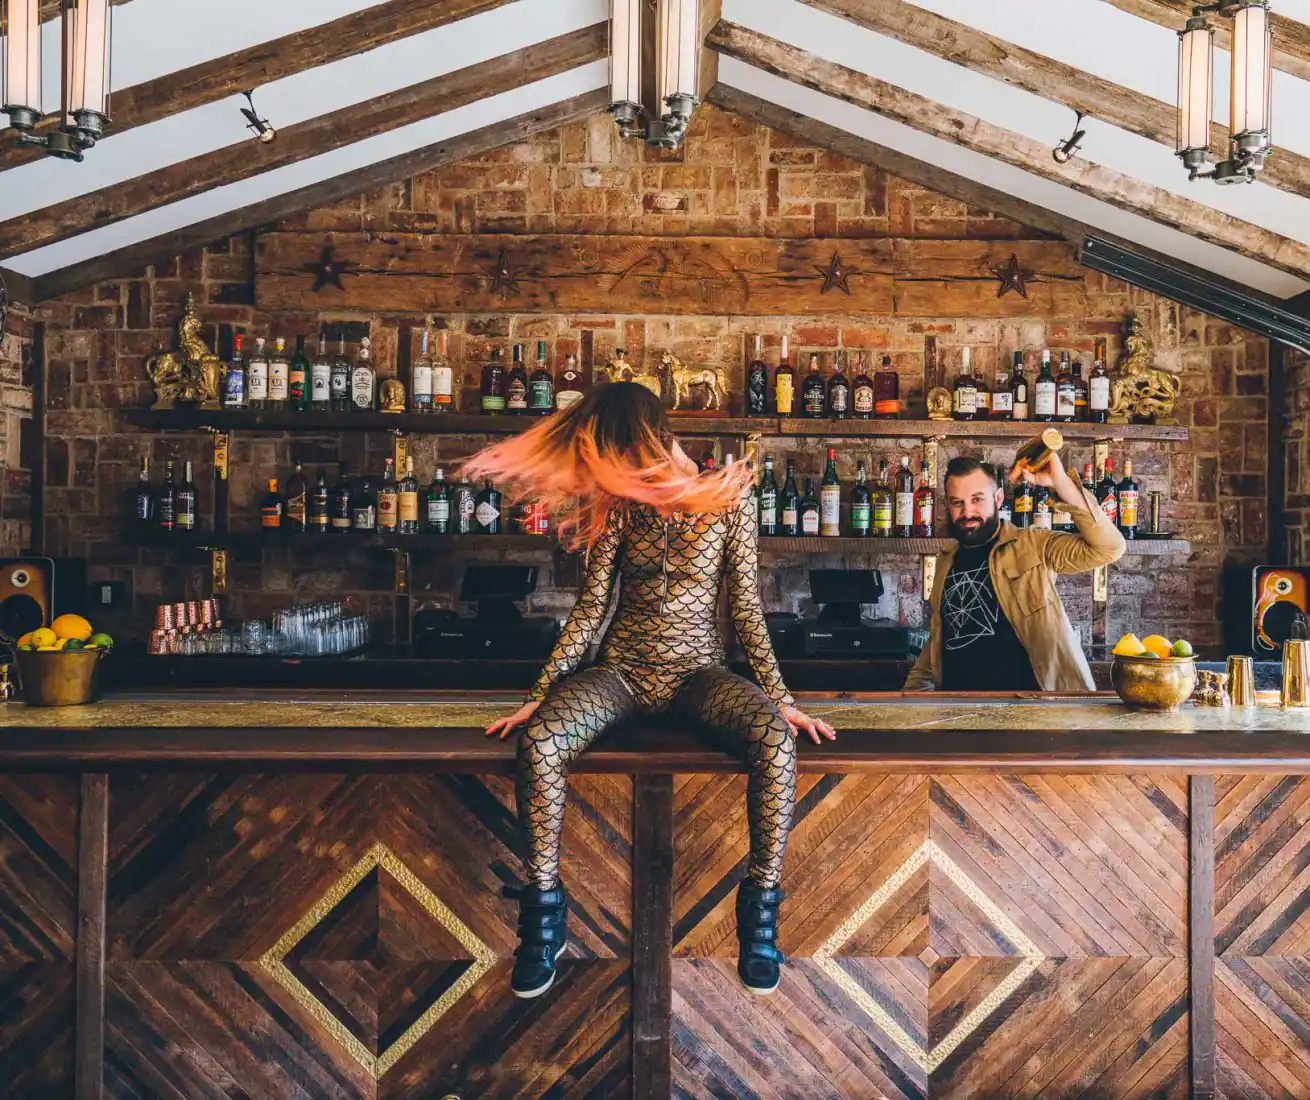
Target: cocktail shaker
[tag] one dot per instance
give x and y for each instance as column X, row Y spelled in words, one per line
column 1296, row 673
column 1241, row 681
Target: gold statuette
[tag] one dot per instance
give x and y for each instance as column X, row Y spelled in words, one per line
column 712, row 379
column 939, row 403
column 193, row 375
column 391, row 395
column 1141, row 392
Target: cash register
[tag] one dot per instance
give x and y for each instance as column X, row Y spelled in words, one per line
column 841, row 631
column 498, row 629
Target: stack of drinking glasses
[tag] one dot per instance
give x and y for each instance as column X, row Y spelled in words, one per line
column 306, row 630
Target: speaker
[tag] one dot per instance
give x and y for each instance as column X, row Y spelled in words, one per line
column 35, row 591
column 1280, row 597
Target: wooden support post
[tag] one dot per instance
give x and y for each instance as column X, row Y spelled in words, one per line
column 1200, row 923
column 652, row 937
column 92, row 885
column 222, row 450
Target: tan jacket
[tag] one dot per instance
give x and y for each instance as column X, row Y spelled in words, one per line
column 1023, row 568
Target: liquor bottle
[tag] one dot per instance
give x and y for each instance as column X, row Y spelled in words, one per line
column 768, row 497
column 388, row 500
column 420, row 379
column 165, row 512
column 1066, row 397
column 1002, row 395
column 320, row 500
column 1023, row 505
column 862, row 391
column 1036, row 453
column 487, row 511
column 568, row 390
column 364, row 508
column 516, row 385
column 839, row 390
column 279, row 375
column 1107, row 493
column 1019, row 390
column 784, row 385
column 884, row 503
column 757, row 382
column 809, row 509
column 273, row 508
column 143, row 500
column 343, row 505
column 830, row 498
column 1129, row 499
column 1061, row 519
column 184, row 500
column 861, row 502
column 886, row 391
column 407, row 499
column 340, row 382
column 925, row 505
column 436, row 504
column 1080, row 392
column 541, row 386
column 363, row 379
column 298, row 379
column 443, row 375
column 1089, row 483
column 234, row 381
column 1005, row 511
column 904, row 521
column 320, row 378
column 964, row 400
column 1098, row 387
column 789, row 504
column 982, row 401
column 493, row 384
column 257, row 377
column 296, row 509
column 464, row 506
column 814, row 394
column 1044, row 392
column 1042, row 518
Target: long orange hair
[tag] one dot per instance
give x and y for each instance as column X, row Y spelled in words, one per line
column 611, row 448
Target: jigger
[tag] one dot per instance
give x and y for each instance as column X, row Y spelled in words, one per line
column 1296, row 673
column 1241, row 681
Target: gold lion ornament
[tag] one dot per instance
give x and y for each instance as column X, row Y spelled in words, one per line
column 1141, row 392
column 193, row 375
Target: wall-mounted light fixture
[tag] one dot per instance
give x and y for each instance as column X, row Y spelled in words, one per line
column 1251, row 105
column 678, row 46
column 84, row 99
column 256, row 125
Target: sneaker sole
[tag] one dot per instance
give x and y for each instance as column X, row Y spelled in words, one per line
column 529, row 994
column 759, row 991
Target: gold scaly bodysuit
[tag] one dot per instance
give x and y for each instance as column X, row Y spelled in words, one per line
column 663, row 654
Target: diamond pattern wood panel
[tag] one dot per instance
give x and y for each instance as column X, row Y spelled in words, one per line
column 948, row 936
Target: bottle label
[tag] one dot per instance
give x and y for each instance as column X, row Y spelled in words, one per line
column 887, row 407
column 882, row 516
column 365, row 518
column 810, row 523
column 361, row 387
column 258, row 382
column 271, row 515
column 421, row 385
column 143, row 504
column 466, row 504
column 1066, row 402
column 1023, row 504
column 542, row 395
column 769, row 503
column 443, row 381
column 925, row 512
column 1110, row 506
column 860, row 516
column 277, row 382
column 839, row 398
column 320, row 384
column 1002, row 401
column 342, row 522
column 904, row 509
column 1045, row 403
column 790, row 518
column 830, row 510
column 493, row 403
column 864, row 399
column 814, row 400
column 1099, row 393
column 516, row 396
column 786, row 394
column 438, row 513
column 388, row 507
column 296, row 386
column 486, row 514
column 296, row 510
column 234, row 388
column 567, row 398
column 1128, row 507
column 1062, row 517
column 340, row 385
column 408, row 507
column 1042, row 519
column 186, row 516
column 965, row 400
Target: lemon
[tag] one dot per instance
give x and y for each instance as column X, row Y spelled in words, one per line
column 1158, row 644
column 1183, row 648
column 47, row 649
column 1130, row 645
column 44, row 637
column 25, row 640
column 102, row 641
column 71, row 626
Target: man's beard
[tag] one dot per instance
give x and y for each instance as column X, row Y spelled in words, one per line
column 975, row 536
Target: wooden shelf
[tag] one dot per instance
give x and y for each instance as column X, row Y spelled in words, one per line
column 789, row 544
column 256, row 540
column 768, row 426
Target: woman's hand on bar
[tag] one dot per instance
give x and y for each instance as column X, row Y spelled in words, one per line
column 817, row 728
column 504, row 726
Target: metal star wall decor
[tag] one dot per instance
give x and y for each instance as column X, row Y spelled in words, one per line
column 1013, row 277
column 835, row 275
column 327, row 270
column 502, row 277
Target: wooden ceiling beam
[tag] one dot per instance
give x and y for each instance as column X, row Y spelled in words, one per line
column 1291, row 37
column 133, row 258
column 311, row 138
column 266, row 62
column 50, row 8
column 929, row 117
column 19, row 288
column 1075, row 88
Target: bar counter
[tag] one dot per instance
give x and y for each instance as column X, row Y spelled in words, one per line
column 298, row 894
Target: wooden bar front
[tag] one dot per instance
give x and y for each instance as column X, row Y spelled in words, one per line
column 301, row 897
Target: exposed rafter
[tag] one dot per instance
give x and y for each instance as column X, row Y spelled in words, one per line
column 302, row 141
column 130, row 260
column 1291, row 38
column 266, row 62
column 20, row 288
column 916, row 111
column 1046, row 77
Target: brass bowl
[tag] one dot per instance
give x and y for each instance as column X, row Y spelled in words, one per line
column 58, row 679
column 1154, row 683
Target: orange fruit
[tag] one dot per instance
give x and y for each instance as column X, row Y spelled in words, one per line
column 71, row 626
column 1158, row 644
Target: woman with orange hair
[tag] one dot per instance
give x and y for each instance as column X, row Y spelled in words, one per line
column 666, row 536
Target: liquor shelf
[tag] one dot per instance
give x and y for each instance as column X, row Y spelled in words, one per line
column 811, row 544
column 283, row 420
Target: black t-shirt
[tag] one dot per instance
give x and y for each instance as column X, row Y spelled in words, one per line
column 980, row 650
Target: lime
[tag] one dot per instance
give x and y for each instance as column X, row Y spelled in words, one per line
column 1152, row 656
column 1182, row 648
column 71, row 644
column 102, row 641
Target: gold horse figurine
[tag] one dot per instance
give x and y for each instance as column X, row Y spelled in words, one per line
column 1140, row 391
column 714, row 379
column 191, row 375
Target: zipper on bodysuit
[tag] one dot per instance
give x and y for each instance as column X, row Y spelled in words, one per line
column 664, row 570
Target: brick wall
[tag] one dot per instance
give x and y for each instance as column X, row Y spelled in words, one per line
column 16, row 435
column 1296, row 442
column 732, row 178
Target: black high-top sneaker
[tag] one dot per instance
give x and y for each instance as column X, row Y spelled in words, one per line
column 543, row 935
column 758, row 957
